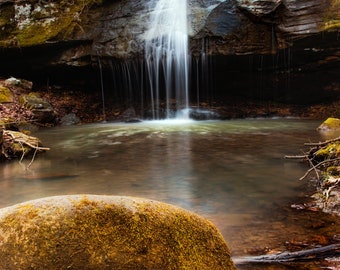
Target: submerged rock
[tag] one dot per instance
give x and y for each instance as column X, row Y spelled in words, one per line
column 108, row 232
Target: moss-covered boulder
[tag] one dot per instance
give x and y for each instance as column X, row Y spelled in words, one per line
column 330, row 124
column 108, row 232
column 5, row 95
column 43, row 111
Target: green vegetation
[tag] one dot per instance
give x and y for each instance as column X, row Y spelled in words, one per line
column 332, row 19
column 41, row 22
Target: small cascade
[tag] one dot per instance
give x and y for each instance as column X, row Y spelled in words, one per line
column 166, row 56
column 102, row 88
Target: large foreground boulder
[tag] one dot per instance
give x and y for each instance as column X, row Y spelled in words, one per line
column 107, row 232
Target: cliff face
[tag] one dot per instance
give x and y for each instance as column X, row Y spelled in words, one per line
column 78, row 30
column 261, row 27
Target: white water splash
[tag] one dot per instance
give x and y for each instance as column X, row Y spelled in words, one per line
column 166, row 54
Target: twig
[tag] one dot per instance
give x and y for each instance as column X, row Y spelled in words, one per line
column 18, row 140
column 323, row 143
column 35, row 152
column 297, row 157
column 303, row 255
column 23, row 152
column 314, row 167
column 306, row 174
column 326, row 161
column 318, row 165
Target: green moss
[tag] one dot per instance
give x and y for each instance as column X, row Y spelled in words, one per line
column 6, row 20
column 332, row 18
column 33, row 101
column 333, row 170
column 42, row 28
column 38, row 33
column 5, row 95
column 332, row 25
column 7, row 122
column 330, row 124
column 331, row 150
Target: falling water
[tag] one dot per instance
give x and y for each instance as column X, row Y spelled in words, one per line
column 102, row 88
column 166, row 54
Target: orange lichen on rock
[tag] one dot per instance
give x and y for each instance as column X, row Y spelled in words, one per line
column 108, row 232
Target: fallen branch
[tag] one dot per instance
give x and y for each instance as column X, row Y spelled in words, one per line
column 17, row 144
column 296, row 157
column 314, row 168
column 298, row 256
column 31, row 162
column 318, row 165
column 22, row 138
column 324, row 160
column 323, row 143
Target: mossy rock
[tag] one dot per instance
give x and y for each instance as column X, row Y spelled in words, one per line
column 6, row 95
column 42, row 110
column 333, row 170
column 329, row 151
column 332, row 18
column 30, row 23
column 18, row 83
column 108, row 232
column 330, row 124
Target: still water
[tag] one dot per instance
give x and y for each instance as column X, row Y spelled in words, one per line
column 231, row 172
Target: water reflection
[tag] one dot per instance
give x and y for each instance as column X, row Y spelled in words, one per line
column 231, row 172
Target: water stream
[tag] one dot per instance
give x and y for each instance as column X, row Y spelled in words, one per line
column 231, row 172
column 166, row 56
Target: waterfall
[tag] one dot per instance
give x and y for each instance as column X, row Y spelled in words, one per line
column 166, row 56
column 102, row 87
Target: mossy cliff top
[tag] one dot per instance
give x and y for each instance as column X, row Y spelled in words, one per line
column 107, row 232
column 120, row 25
column 29, row 23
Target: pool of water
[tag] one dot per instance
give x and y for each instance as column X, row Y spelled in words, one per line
column 231, row 172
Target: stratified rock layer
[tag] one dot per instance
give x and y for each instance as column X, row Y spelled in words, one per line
column 79, row 30
column 107, row 232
